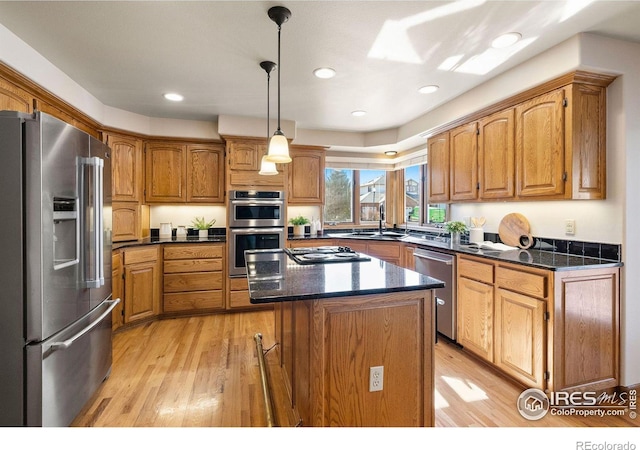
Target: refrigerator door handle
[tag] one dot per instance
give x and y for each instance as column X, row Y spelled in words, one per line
column 96, row 278
column 69, row 342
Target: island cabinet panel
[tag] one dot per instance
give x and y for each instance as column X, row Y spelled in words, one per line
column 586, row 330
column 329, row 345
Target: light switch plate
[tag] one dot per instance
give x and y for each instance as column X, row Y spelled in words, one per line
column 570, row 227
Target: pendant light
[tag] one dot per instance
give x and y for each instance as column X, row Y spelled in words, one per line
column 268, row 167
column 278, row 145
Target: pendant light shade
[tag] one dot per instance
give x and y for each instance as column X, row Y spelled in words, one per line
column 267, row 167
column 278, row 150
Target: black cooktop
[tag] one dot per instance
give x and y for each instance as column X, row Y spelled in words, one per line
column 323, row 255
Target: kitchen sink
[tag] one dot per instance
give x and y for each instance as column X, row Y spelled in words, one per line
column 368, row 234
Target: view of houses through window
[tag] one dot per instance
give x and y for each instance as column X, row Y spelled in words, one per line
column 348, row 192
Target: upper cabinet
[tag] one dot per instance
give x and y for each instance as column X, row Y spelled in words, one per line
column 546, row 143
column 205, row 173
column 464, row 162
column 306, row 176
column 540, row 146
column 438, row 167
column 178, row 172
column 127, row 169
column 12, row 98
column 244, row 156
column 496, row 156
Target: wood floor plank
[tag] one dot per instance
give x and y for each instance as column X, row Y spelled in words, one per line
column 203, row 372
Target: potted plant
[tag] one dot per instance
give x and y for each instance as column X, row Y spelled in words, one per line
column 455, row 227
column 298, row 225
column 202, row 226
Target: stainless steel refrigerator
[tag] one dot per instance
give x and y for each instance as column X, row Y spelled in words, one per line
column 55, row 247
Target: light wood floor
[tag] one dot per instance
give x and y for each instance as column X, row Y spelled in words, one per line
column 203, row 372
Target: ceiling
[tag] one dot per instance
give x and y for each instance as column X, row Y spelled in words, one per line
column 127, row 54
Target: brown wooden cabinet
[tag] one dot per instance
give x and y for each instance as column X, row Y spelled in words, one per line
column 408, row 260
column 179, row 172
column 463, row 164
column 328, row 346
column 244, row 156
column 238, row 295
column 130, row 221
column 540, row 146
column 141, row 283
column 12, row 98
column 193, row 278
column 127, row 167
column 117, row 316
column 547, row 143
column 438, row 168
column 496, row 156
column 554, row 330
column 386, row 251
column 306, row 176
column 475, row 306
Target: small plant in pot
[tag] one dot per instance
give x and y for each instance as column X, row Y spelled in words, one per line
column 455, row 228
column 298, row 225
column 202, row 225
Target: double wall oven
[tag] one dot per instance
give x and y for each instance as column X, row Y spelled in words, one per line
column 256, row 222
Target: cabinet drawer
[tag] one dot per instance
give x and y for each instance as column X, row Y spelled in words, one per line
column 527, row 283
column 193, row 251
column 202, row 281
column 192, row 301
column 385, row 251
column 238, row 284
column 476, row 270
column 138, row 255
column 192, row 265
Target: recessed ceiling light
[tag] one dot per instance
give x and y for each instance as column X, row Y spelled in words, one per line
column 358, row 113
column 173, row 97
column 428, row 89
column 505, row 40
column 324, row 72
column 391, row 153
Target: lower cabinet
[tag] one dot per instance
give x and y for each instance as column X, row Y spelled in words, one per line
column 193, row 278
column 238, row 297
column 386, row 251
column 553, row 330
column 141, row 283
column 117, row 315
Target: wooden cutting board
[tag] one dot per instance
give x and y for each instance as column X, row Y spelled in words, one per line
column 512, row 227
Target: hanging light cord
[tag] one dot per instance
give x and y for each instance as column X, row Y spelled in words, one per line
column 279, row 27
column 268, row 80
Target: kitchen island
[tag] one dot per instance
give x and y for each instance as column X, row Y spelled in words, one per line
column 355, row 338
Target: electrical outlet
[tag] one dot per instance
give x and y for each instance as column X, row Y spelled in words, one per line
column 570, row 227
column 376, row 377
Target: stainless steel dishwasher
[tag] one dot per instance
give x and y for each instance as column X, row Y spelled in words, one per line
column 442, row 267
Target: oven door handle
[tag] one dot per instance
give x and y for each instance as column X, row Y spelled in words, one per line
column 256, row 202
column 257, row 230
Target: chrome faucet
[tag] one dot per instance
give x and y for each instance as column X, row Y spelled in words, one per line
column 380, row 227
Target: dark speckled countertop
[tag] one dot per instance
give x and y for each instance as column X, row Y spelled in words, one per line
column 273, row 276
column 172, row 240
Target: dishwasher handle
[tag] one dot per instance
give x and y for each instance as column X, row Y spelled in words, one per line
column 448, row 260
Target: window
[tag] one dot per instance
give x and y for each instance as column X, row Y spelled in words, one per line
column 338, row 206
column 344, row 203
column 415, row 198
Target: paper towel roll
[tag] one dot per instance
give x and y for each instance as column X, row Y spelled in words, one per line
column 476, row 235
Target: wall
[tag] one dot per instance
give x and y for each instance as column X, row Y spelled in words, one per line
column 184, row 215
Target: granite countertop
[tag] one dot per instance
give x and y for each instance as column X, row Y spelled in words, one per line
column 273, row 276
column 544, row 259
column 172, row 240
